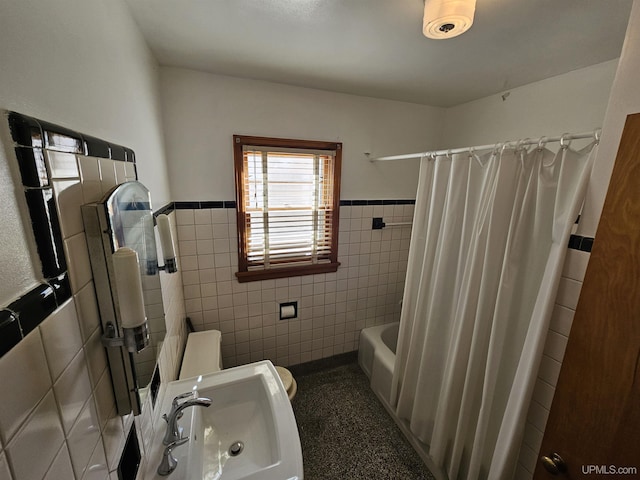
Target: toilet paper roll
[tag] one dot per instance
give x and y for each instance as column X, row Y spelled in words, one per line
column 287, row 311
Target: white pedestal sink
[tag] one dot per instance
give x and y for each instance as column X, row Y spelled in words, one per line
column 249, row 431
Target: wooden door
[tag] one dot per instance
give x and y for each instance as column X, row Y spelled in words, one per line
column 594, row 424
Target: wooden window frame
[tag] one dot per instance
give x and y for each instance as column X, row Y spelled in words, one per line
column 246, row 275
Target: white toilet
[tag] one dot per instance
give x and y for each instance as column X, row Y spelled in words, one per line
column 202, row 355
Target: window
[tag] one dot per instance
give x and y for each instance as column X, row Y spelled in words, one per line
column 288, row 196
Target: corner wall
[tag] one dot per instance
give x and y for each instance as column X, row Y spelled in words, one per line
column 84, row 65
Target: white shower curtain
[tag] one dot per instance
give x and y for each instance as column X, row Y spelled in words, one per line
column 488, row 243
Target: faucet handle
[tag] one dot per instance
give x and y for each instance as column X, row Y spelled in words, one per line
column 174, row 403
column 169, row 462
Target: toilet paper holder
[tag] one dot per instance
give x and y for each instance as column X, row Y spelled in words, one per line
column 288, row 310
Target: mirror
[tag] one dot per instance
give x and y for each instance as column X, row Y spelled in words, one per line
column 124, row 218
column 131, row 224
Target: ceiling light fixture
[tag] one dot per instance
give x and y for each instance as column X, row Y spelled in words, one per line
column 447, row 18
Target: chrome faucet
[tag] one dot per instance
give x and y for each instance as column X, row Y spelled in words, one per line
column 169, row 462
column 174, row 432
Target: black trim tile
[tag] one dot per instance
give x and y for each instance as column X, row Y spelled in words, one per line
column 117, row 152
column 154, row 387
column 187, row 205
column 46, row 229
column 61, row 139
column 358, row 203
column 130, row 460
column 130, row 155
column 34, row 307
column 10, row 333
column 323, row 363
column 209, row 204
column 61, row 287
column 95, row 147
column 587, row 244
column 578, row 242
column 230, row 204
column 33, row 168
column 25, row 131
column 166, row 210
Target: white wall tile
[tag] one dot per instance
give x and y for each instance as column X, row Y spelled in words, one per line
column 87, row 310
column 555, row 345
column 5, row 474
column 78, row 259
column 62, row 165
column 61, row 467
column 83, row 438
column 25, row 360
column 89, row 169
column 185, row 217
column 568, row 293
column 96, row 357
column 107, row 174
column 561, row 320
column 72, row 390
column 97, row 469
column 41, row 433
column 61, row 338
column 575, row 264
column 113, row 438
column 69, row 197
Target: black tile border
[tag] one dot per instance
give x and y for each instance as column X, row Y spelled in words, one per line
column 578, row 242
column 31, row 138
column 166, row 210
column 327, row 363
column 30, row 132
column 10, row 331
column 199, row 205
column 131, row 456
column 359, row 203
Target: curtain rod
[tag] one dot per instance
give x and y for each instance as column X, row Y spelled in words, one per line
column 541, row 141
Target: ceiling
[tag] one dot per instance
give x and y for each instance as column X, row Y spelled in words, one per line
column 376, row 47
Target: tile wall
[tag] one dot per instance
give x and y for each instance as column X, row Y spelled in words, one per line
column 58, row 418
column 575, row 267
column 332, row 308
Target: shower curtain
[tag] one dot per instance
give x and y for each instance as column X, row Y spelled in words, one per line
column 488, row 243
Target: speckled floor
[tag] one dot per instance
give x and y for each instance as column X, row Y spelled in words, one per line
column 345, row 431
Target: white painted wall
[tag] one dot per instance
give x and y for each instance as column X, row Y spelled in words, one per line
column 625, row 100
column 84, row 65
column 573, row 102
column 203, row 111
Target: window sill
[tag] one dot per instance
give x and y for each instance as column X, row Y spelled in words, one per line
column 256, row 275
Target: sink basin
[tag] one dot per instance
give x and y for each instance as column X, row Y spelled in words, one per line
column 249, row 431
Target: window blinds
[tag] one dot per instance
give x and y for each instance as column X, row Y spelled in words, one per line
column 288, row 202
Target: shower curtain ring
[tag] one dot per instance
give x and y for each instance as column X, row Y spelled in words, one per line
column 596, row 135
column 542, row 143
column 563, row 141
column 449, row 153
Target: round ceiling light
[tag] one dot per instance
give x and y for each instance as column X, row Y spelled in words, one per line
column 447, row 18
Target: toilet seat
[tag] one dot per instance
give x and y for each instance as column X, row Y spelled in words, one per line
column 290, row 384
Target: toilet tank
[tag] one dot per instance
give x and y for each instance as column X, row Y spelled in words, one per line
column 202, row 354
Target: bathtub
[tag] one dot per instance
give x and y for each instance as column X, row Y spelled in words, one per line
column 377, row 356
